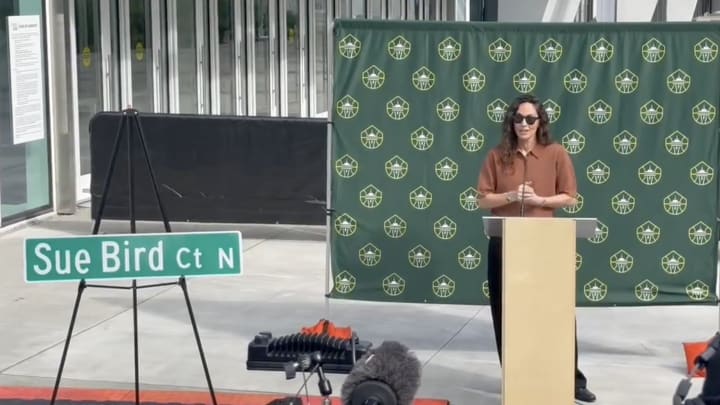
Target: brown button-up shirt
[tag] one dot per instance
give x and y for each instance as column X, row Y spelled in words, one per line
column 548, row 167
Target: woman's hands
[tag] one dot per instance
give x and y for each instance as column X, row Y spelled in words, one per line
column 527, row 193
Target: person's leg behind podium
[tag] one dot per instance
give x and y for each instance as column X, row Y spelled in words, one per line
column 494, row 276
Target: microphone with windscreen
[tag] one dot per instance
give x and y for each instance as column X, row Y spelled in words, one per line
column 386, row 375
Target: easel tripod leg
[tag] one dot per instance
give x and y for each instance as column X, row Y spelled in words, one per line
column 81, row 288
column 183, row 285
column 108, row 176
column 141, row 136
column 135, row 343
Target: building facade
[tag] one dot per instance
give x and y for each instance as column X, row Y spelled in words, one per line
column 223, row 57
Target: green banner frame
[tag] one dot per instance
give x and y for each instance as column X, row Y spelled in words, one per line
column 417, row 105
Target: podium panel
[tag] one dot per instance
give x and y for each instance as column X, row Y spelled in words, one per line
column 538, row 311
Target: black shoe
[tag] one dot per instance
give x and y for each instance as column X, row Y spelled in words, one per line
column 584, row 394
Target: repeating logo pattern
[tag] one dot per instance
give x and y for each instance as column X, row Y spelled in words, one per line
column 423, row 79
column 413, row 124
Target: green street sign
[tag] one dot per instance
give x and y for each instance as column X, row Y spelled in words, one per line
column 132, row 256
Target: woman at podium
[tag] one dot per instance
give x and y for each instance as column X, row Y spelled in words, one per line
column 526, row 174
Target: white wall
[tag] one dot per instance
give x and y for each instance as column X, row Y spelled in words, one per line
column 636, row 10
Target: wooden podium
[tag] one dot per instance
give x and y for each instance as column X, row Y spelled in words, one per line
column 538, row 289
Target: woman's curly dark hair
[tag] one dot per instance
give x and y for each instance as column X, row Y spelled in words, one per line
column 509, row 142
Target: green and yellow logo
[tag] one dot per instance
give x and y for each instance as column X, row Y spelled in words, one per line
column 469, row 258
column 370, row 196
column 600, row 235
column 473, row 80
column 578, row 261
column 449, row 49
column 621, row 262
column 647, row 233
column 700, row 233
column 600, row 112
column 346, row 166
column 598, row 172
column 551, row 51
column 370, row 255
column 399, row 48
column 702, row 174
column 496, row 110
column 675, row 203
column 345, row 282
column 678, row 82
column 396, row 168
column 646, row 291
column 595, row 290
column 419, row 256
column 423, row 79
column 486, row 289
column 575, row 81
column 349, row 47
column 673, row 262
column 624, row 143
column 373, row 78
column 422, row 138
column 445, row 228
column 623, row 203
column 347, row 107
column 677, row 143
column 705, row 50
column 443, row 286
column 393, row 285
column 653, row 51
column 601, row 50
column 397, row 108
column 574, row 209
column 446, row 169
column 420, row 198
column 371, row 137
column 395, row 227
column 448, row 109
column 573, row 142
column 472, row 140
column 524, row 81
column 651, row 112
column 345, row 225
column 703, row 113
column 552, row 109
column 499, row 50
column 650, row 173
column 627, row 81
column 468, row 199
column 697, row 291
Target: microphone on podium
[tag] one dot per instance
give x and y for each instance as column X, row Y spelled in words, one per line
column 386, row 375
column 524, row 182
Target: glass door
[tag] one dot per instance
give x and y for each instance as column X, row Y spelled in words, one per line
column 140, row 48
column 262, row 57
column 91, row 83
column 187, row 56
column 293, row 60
column 227, row 57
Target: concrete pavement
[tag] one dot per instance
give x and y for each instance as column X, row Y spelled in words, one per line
column 630, row 355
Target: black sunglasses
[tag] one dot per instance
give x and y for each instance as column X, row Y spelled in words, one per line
column 530, row 119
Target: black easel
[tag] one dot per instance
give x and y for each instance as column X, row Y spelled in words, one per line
column 130, row 119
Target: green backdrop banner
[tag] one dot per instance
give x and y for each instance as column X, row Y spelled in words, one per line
column 418, row 105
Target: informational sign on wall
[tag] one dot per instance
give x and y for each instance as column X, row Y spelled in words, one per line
column 26, row 78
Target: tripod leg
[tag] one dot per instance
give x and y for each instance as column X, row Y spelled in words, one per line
column 183, row 285
column 141, row 135
column 135, row 342
column 109, row 174
column 81, row 288
column 131, row 176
